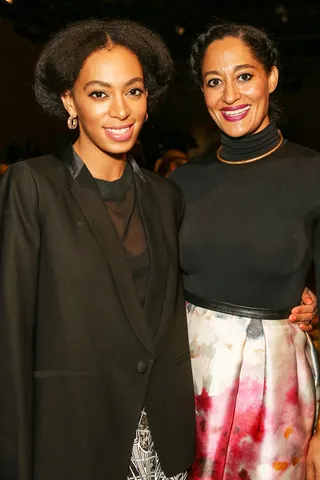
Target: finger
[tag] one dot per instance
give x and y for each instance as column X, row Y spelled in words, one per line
column 311, row 295
column 305, row 318
column 310, row 473
column 306, row 328
column 306, row 296
column 306, row 299
column 304, row 309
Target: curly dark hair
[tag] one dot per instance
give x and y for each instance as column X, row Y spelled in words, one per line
column 263, row 49
column 63, row 56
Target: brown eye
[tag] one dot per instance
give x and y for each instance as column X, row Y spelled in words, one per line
column 245, row 77
column 214, row 82
column 135, row 92
column 97, row 94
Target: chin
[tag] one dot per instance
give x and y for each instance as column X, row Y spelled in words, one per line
column 236, row 131
column 119, row 148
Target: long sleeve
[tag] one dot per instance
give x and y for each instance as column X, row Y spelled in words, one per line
column 19, row 252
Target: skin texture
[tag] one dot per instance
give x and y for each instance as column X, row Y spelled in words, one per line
column 232, row 77
column 109, row 92
column 313, row 459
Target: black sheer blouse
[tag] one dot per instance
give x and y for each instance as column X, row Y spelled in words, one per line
column 121, row 201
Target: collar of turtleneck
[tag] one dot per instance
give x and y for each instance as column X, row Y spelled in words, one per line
column 251, row 146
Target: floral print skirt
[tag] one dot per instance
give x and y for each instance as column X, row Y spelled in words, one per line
column 144, row 463
column 256, row 394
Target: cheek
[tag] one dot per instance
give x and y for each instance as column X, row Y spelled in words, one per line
column 210, row 98
column 140, row 109
column 258, row 92
column 91, row 112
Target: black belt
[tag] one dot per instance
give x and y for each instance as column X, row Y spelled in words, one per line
column 238, row 310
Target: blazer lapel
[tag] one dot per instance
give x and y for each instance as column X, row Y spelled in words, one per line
column 151, row 217
column 84, row 188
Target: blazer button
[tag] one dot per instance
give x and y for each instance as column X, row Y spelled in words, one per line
column 142, row 367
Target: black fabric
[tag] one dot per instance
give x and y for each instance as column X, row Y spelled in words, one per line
column 120, row 199
column 73, row 332
column 238, row 310
column 251, row 232
column 245, row 148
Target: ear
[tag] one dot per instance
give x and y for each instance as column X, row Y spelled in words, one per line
column 68, row 103
column 273, row 79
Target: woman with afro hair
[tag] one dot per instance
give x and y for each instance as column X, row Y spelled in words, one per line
column 96, row 379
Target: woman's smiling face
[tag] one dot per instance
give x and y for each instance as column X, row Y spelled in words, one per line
column 236, row 87
column 110, row 100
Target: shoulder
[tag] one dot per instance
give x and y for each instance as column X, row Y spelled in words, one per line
column 295, row 151
column 164, row 186
column 36, row 166
column 169, row 194
column 299, row 164
column 35, row 177
column 44, row 170
column 18, row 192
column 45, row 166
column 185, row 175
column 18, row 178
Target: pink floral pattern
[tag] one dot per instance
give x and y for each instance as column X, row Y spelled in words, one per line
column 256, row 393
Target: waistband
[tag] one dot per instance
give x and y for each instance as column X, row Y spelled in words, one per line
column 238, row 310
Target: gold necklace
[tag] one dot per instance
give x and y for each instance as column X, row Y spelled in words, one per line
column 251, row 160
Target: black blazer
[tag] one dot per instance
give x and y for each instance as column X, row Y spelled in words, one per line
column 77, row 361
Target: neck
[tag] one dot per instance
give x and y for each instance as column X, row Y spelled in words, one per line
column 260, row 144
column 100, row 164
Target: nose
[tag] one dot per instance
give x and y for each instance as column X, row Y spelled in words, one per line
column 230, row 93
column 119, row 108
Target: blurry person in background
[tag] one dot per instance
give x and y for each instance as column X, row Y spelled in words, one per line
column 3, row 168
column 204, row 138
column 172, row 159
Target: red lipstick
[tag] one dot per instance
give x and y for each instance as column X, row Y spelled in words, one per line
column 236, row 113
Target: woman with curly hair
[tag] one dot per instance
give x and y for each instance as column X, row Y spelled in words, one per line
column 95, row 373
column 250, row 233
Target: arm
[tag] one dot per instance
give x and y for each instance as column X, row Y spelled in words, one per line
column 19, row 246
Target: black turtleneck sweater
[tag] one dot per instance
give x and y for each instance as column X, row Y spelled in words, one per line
column 251, row 232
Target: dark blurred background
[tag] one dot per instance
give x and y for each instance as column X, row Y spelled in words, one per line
column 181, row 122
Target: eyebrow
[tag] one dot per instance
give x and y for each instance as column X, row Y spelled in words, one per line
column 236, row 69
column 108, row 85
